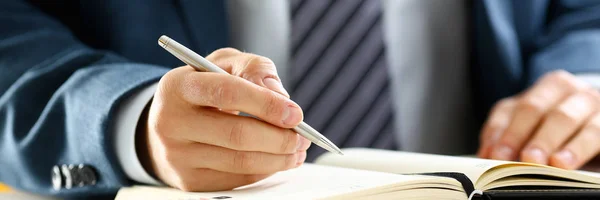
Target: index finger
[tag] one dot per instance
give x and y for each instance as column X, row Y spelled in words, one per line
column 241, row 133
column 494, row 126
column 228, row 92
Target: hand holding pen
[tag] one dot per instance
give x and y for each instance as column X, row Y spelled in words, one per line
column 193, row 140
column 202, row 65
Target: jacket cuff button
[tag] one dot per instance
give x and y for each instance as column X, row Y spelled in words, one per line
column 57, row 178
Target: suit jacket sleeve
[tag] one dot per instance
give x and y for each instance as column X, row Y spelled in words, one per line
column 58, row 102
column 570, row 40
column 516, row 42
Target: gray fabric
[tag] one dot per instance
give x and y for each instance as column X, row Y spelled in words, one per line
column 339, row 72
column 430, row 83
column 261, row 27
column 427, row 57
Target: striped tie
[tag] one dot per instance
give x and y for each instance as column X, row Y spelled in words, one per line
column 339, row 74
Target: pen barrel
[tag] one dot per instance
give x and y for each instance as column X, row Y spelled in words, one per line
column 314, row 136
column 188, row 56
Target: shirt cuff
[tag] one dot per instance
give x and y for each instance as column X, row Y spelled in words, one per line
column 591, row 78
column 127, row 119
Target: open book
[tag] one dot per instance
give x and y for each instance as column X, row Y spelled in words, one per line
column 380, row 174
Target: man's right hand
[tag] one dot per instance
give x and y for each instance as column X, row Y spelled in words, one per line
column 195, row 141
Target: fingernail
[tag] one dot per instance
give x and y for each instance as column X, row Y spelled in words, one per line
column 566, row 157
column 291, row 115
column 275, row 85
column 301, row 158
column 535, row 155
column 502, row 153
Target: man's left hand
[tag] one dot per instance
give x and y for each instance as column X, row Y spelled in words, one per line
column 555, row 122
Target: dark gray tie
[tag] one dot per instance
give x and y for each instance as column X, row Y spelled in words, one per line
column 339, row 74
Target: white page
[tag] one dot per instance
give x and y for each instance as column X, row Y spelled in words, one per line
column 407, row 163
column 306, row 182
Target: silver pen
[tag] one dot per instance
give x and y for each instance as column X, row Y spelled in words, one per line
column 201, row 64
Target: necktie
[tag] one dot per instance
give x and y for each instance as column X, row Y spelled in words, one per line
column 339, row 74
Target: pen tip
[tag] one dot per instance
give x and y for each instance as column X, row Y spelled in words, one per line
column 332, row 147
column 336, row 149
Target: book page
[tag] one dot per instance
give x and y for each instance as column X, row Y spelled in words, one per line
column 548, row 175
column 408, row 163
column 306, row 182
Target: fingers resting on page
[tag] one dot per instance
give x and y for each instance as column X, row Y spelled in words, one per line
column 196, row 142
column 555, row 122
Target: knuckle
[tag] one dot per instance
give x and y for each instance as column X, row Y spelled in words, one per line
column 563, row 115
column 558, row 75
column 503, row 103
column 175, row 73
column 225, row 51
column 159, row 126
column 581, row 102
column 289, row 143
column 244, row 161
column 167, row 79
column 171, row 81
column 531, row 105
column 260, row 61
column 162, row 130
column 564, row 79
column 194, row 89
column 225, row 93
column 559, row 72
column 272, row 105
column 259, row 67
column 237, row 136
column 593, row 126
